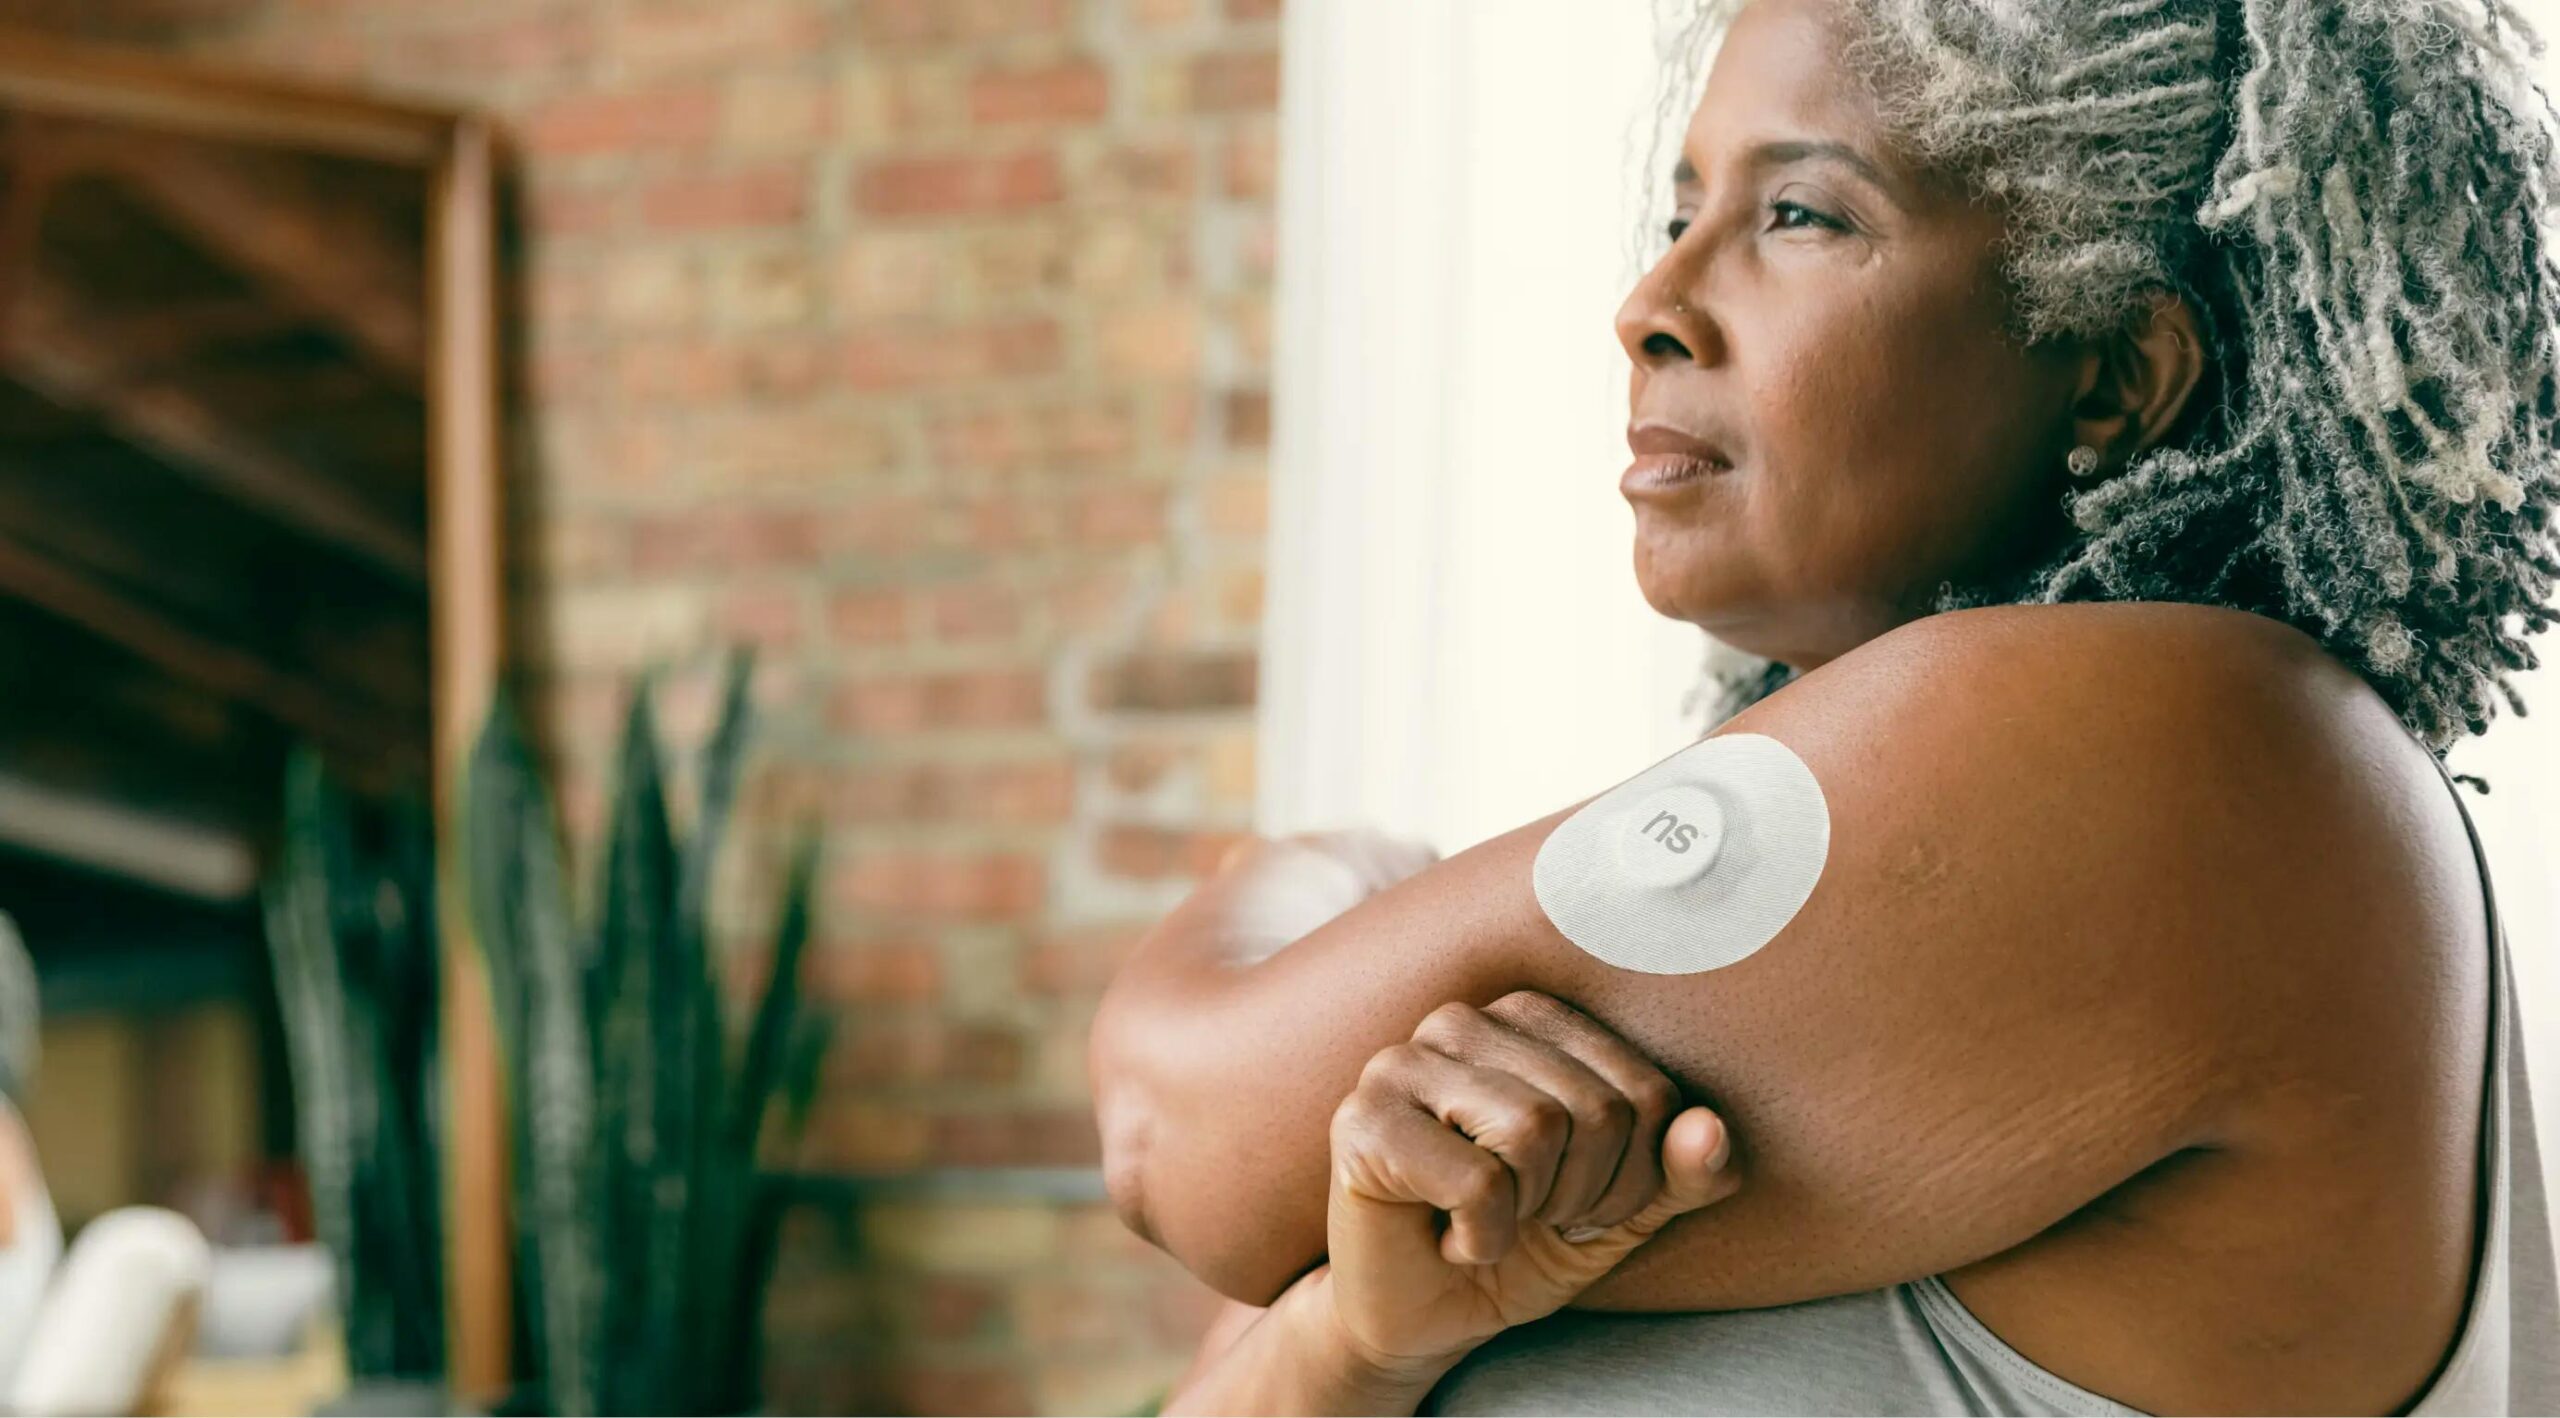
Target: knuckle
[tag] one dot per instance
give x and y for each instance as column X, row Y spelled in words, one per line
column 1598, row 1109
column 1546, row 1120
column 1385, row 1067
column 1449, row 1022
column 1655, row 1097
column 1617, row 1111
column 1481, row 1182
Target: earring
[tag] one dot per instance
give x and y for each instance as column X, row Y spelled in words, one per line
column 2083, row 461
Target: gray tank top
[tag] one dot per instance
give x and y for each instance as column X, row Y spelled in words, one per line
column 1914, row 1348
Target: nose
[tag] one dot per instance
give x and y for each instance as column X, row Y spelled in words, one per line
column 1663, row 320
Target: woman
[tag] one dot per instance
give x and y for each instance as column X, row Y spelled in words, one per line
column 2126, row 428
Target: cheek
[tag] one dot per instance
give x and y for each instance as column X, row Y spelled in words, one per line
column 1891, row 427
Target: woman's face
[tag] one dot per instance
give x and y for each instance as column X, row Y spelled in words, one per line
column 1830, row 415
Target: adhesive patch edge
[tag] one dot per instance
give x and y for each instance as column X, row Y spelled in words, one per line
column 1691, row 865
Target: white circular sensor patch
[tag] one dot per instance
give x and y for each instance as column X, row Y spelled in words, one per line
column 1693, row 864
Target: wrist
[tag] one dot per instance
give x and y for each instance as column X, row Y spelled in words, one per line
column 1383, row 1382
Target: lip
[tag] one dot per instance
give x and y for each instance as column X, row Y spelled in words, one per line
column 1670, row 459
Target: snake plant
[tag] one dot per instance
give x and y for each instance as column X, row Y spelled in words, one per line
column 645, row 1227
column 351, row 933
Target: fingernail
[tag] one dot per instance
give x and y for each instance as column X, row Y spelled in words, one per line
column 1723, row 1151
column 1576, row 1235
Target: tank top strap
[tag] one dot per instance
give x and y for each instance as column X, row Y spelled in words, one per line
column 2479, row 851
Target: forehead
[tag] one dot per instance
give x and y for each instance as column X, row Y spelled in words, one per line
column 1780, row 70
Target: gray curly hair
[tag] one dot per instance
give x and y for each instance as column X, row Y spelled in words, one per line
column 2352, row 195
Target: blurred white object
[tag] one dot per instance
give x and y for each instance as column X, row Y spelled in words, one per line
column 34, row 1244
column 260, row 1301
column 18, row 1013
column 1298, row 883
column 119, row 1317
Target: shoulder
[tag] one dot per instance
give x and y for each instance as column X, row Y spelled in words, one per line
column 2201, row 807
column 2140, row 729
column 2105, row 676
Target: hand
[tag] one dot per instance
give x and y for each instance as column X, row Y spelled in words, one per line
column 1524, row 1124
column 1271, row 891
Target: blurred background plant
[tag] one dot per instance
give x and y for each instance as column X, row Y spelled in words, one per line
column 351, row 927
column 646, row 1228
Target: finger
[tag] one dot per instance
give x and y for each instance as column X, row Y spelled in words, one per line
column 1654, row 1096
column 1500, row 1112
column 1602, row 1119
column 1240, row 850
column 1396, row 1166
column 1698, row 1171
column 1380, row 858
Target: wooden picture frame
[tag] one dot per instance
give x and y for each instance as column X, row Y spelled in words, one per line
column 453, row 152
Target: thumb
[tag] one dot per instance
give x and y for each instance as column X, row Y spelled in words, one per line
column 1697, row 1170
column 1697, row 1157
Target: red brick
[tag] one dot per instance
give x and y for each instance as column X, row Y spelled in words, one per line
column 894, row 971
column 723, row 538
column 1031, row 792
column 983, row 1389
column 909, row 702
column 1235, row 506
column 1139, row 767
column 1252, row 163
column 952, row 186
column 777, row 111
column 1083, row 1314
column 1147, row 853
column 1177, row 682
column 772, row 618
column 987, row 886
column 1078, row 961
column 618, row 122
column 1021, row 1139
column 869, row 616
column 951, row 354
column 665, row 35
column 1070, row 91
column 945, row 22
column 561, row 206
column 1238, row 81
column 1014, row 433
column 1120, row 516
column 905, row 1049
column 851, row 1134
column 1249, row 418
column 878, row 524
column 950, row 1307
column 757, row 197
column 1166, row 168
column 962, row 614
column 510, row 47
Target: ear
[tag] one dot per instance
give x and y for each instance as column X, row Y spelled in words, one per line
column 2135, row 382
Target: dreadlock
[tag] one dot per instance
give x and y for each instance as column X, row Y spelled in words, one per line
column 2352, row 195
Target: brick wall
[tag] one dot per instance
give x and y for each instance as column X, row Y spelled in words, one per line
column 924, row 343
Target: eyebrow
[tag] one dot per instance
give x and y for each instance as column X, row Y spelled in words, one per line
column 1786, row 151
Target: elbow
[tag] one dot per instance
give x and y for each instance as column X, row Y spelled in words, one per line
column 1221, row 1251
column 1125, row 1128
column 1125, row 1112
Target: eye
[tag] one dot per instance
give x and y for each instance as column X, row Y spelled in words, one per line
column 1679, row 227
column 1782, row 212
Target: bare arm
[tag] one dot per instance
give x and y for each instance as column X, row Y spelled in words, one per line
column 2011, row 992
